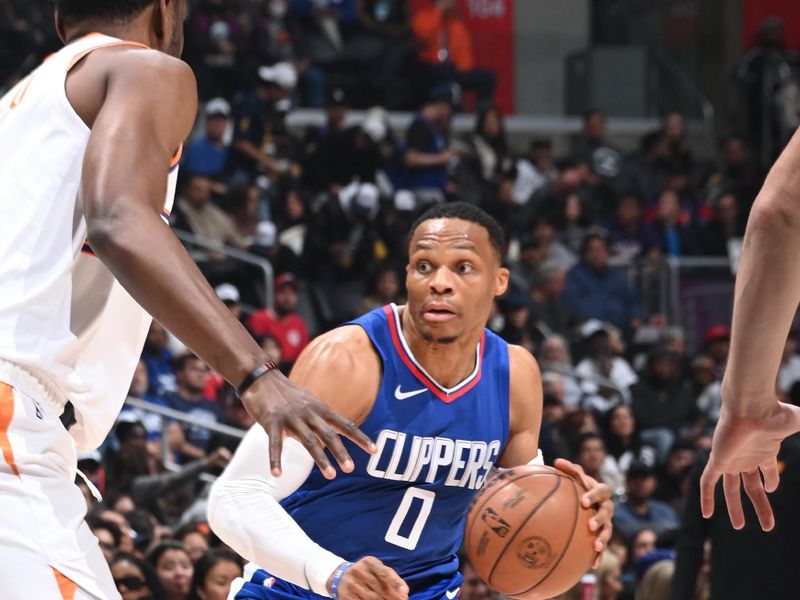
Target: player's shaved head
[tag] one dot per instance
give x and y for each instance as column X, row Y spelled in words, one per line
column 465, row 212
column 116, row 11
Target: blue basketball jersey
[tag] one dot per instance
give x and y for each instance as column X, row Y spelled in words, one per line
column 407, row 504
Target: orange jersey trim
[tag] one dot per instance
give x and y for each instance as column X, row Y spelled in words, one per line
column 176, row 158
column 66, row 586
column 6, row 415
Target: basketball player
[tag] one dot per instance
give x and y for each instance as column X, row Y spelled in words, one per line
column 444, row 398
column 89, row 144
column 752, row 422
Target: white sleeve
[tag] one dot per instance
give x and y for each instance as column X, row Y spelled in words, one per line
column 244, row 511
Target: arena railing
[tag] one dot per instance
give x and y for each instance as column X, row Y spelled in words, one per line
column 168, row 414
column 234, row 253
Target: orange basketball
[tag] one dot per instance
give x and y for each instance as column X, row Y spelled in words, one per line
column 527, row 534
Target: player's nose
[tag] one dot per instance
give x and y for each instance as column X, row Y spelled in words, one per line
column 442, row 281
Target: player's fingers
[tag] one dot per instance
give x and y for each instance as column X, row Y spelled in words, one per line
column 731, row 485
column 597, row 495
column 334, row 443
column 771, row 475
column 344, row 426
column 597, row 561
column 275, row 432
column 311, row 442
column 755, row 491
column 708, row 483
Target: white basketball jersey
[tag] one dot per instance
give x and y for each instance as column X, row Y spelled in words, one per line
column 64, row 319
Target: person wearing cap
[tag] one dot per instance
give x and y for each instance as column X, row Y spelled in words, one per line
column 640, row 510
column 717, row 340
column 445, row 46
column 253, row 146
column 283, row 323
column 209, row 154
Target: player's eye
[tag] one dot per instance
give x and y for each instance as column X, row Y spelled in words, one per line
column 465, row 267
column 424, row 267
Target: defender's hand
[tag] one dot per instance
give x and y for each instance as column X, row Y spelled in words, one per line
column 598, row 495
column 743, row 450
column 283, row 408
column 370, row 579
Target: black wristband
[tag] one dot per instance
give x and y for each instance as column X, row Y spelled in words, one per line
column 253, row 375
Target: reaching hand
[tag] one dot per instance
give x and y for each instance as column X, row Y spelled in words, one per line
column 598, row 495
column 370, row 578
column 745, row 449
column 283, row 408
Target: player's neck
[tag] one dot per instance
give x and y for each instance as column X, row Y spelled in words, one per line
column 448, row 364
column 138, row 30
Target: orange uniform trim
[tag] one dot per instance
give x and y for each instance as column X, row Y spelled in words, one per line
column 66, row 586
column 176, row 158
column 6, row 415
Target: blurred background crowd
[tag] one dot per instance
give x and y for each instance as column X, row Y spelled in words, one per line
column 325, row 128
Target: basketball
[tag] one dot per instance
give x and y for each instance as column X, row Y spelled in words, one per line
column 527, row 534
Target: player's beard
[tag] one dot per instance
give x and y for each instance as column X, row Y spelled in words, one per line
column 442, row 340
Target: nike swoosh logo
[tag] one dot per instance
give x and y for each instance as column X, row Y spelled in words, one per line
column 451, row 594
column 401, row 395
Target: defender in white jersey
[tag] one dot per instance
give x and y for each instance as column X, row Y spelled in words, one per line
column 89, row 144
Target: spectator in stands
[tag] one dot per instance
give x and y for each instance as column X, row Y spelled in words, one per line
column 194, row 536
column 674, row 132
column 445, row 46
column 208, row 155
column 549, row 314
column 235, row 414
column 427, row 148
column 243, row 206
column 325, row 26
column 139, row 390
column 717, row 345
column 593, row 149
column 214, row 573
column 516, row 313
column 640, row 510
column 597, row 292
column 573, row 221
column 494, row 161
column 136, row 579
column 535, row 173
column 284, row 323
column 158, row 360
column 386, row 52
column 266, row 242
column 642, row 544
column 673, row 230
column 275, row 38
column 726, row 225
column 525, row 269
column 108, row 536
column 622, row 437
column 545, row 232
column 197, row 214
column 555, row 351
column 590, row 453
column 645, row 172
column 191, row 441
column 174, row 568
column 673, row 478
column 90, row 464
column 384, row 287
column 628, row 236
column 253, row 145
column 739, row 172
column 664, row 405
column 601, row 363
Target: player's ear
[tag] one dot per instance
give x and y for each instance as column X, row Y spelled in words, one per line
column 60, row 27
column 160, row 19
column 501, row 285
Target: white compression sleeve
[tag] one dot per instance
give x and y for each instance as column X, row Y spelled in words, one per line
column 244, row 511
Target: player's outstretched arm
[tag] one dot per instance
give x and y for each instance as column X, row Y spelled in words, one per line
column 525, row 421
column 149, row 105
column 244, row 510
column 752, row 423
